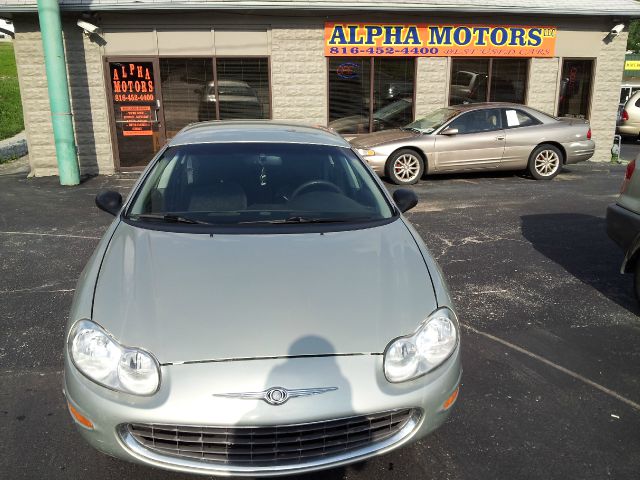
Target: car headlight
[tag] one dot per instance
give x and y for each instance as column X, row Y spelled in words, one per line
column 366, row 153
column 100, row 358
column 412, row 356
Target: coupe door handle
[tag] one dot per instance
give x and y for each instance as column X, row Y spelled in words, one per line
column 500, row 137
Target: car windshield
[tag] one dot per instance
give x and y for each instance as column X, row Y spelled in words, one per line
column 433, row 121
column 250, row 183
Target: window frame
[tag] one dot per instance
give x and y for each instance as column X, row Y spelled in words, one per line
column 458, row 117
column 594, row 65
column 371, row 89
column 505, row 123
column 214, row 62
column 489, row 76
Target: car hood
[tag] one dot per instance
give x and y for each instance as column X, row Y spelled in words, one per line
column 193, row 297
column 379, row 138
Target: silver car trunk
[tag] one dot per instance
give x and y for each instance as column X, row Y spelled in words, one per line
column 188, row 297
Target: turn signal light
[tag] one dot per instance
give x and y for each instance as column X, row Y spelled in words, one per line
column 451, row 400
column 78, row 417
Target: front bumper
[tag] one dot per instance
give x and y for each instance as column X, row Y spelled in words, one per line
column 186, row 398
column 377, row 164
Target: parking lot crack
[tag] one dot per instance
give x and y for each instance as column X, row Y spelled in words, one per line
column 571, row 373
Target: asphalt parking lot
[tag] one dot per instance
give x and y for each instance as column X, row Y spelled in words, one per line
column 551, row 344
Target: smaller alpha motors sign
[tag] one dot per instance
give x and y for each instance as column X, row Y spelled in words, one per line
column 423, row 40
column 134, row 97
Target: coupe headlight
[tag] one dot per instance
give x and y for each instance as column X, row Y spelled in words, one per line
column 366, row 153
column 412, row 356
column 100, row 358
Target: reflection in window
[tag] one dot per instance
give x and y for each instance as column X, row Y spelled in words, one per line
column 470, row 80
column 392, row 92
column 243, row 88
column 575, row 88
column 351, row 96
column 182, row 81
column 189, row 90
column 509, row 80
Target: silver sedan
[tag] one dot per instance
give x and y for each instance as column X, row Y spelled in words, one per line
column 482, row 136
column 259, row 306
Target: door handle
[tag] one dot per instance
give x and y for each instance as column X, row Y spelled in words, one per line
column 500, row 137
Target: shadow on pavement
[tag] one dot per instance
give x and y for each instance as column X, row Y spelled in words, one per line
column 579, row 243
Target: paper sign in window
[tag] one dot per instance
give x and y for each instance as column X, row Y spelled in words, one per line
column 512, row 118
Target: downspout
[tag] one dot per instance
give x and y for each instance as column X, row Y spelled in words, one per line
column 54, row 61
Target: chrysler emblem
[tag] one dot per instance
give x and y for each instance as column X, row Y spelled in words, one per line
column 277, row 395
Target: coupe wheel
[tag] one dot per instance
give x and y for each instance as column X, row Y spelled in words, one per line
column 545, row 162
column 405, row 167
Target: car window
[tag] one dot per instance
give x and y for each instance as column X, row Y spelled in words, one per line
column 514, row 118
column 248, row 183
column 475, row 121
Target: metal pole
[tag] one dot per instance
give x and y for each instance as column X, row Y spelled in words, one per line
column 54, row 61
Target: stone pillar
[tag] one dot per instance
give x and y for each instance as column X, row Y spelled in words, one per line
column 431, row 84
column 299, row 73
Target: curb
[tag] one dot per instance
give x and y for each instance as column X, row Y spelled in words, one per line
column 14, row 147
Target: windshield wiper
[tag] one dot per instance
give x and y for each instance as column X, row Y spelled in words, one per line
column 411, row 129
column 299, row 219
column 169, row 218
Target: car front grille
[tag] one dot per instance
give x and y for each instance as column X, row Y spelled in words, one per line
column 274, row 445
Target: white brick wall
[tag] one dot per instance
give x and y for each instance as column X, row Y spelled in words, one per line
column 606, row 95
column 543, row 80
column 431, row 84
column 299, row 73
column 88, row 100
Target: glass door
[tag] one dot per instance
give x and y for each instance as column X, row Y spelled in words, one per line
column 137, row 126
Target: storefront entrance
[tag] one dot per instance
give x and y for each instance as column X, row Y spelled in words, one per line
column 152, row 99
column 137, row 126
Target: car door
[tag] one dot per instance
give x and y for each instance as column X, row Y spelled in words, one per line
column 523, row 133
column 479, row 143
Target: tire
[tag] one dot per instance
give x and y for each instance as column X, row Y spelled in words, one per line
column 405, row 167
column 545, row 162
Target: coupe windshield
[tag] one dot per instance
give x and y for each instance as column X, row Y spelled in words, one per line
column 251, row 183
column 433, row 121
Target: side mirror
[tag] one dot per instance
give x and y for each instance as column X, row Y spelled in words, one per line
column 405, row 199
column 449, row 132
column 109, row 201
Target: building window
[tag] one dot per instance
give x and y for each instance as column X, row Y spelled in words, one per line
column 488, row 79
column 183, row 82
column 575, row 88
column 243, row 88
column 189, row 90
column 370, row 94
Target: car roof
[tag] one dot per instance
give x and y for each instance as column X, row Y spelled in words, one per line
column 477, row 106
column 256, row 131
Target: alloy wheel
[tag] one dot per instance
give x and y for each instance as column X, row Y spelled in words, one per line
column 406, row 167
column 546, row 163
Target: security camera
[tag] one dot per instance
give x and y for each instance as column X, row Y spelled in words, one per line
column 88, row 28
column 617, row 30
